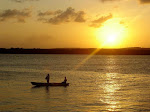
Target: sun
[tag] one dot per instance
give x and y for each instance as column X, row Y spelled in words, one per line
column 111, row 34
column 111, row 38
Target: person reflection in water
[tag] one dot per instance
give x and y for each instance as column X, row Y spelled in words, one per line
column 47, row 78
column 65, row 80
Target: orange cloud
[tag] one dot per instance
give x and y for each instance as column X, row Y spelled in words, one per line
column 144, row 1
column 49, row 13
column 15, row 14
column 98, row 22
column 107, row 0
column 58, row 17
column 20, row 1
column 141, row 1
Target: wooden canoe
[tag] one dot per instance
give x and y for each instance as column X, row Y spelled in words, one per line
column 49, row 84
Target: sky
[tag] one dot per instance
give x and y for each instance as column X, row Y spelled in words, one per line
column 74, row 23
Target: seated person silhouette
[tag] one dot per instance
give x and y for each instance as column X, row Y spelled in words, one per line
column 65, row 80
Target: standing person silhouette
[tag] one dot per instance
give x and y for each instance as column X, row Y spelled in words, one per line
column 47, row 78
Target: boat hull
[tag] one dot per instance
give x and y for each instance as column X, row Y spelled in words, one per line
column 49, row 84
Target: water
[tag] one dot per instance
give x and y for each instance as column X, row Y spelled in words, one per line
column 97, row 84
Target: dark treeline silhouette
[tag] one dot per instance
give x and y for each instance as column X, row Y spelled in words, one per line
column 121, row 51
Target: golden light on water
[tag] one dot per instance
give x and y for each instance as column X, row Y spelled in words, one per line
column 111, row 34
column 110, row 87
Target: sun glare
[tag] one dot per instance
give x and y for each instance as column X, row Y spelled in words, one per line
column 111, row 34
column 111, row 38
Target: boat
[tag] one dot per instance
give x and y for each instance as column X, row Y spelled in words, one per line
column 49, row 84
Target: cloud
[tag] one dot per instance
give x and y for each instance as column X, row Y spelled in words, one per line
column 141, row 1
column 58, row 17
column 48, row 13
column 144, row 1
column 107, row 0
column 80, row 17
column 98, row 22
column 21, row 1
column 15, row 14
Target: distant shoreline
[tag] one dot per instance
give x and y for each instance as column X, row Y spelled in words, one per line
column 119, row 51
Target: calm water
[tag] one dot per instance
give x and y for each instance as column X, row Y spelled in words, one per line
column 97, row 83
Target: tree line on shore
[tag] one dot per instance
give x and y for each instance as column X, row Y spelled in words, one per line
column 96, row 51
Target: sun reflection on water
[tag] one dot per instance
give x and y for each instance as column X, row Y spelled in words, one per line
column 110, row 87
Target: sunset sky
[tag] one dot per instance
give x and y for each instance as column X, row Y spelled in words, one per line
column 74, row 23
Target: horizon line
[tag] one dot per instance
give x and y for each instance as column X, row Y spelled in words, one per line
column 77, row 48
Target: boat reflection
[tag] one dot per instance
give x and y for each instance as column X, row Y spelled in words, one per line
column 47, row 88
